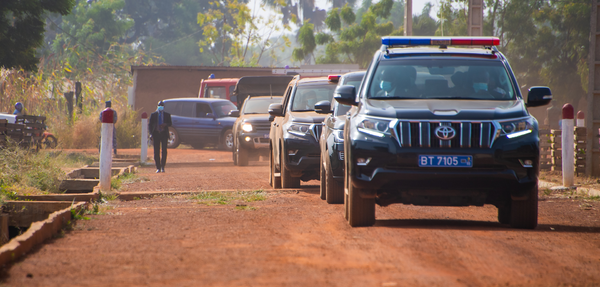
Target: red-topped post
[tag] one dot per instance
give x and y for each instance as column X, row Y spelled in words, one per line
column 107, row 117
column 144, row 152
column 568, row 147
column 580, row 119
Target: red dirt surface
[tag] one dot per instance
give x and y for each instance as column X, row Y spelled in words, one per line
column 296, row 239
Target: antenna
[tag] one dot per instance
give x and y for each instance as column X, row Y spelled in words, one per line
column 271, row 90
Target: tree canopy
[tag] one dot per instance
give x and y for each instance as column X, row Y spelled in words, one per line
column 22, row 28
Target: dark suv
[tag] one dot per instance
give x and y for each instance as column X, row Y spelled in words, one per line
column 332, row 142
column 438, row 124
column 295, row 131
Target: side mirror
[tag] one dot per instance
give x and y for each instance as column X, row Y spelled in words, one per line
column 345, row 95
column 234, row 114
column 276, row 110
column 323, row 107
column 538, row 96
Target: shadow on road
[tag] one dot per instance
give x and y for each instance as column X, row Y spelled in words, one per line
column 211, row 164
column 477, row 225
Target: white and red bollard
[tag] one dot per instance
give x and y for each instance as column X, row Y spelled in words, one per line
column 568, row 147
column 580, row 120
column 107, row 119
column 144, row 153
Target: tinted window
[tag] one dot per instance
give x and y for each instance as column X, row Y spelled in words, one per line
column 259, row 105
column 306, row 96
column 441, row 79
column 222, row 109
column 186, row 109
column 231, row 88
column 173, row 108
column 202, row 109
column 339, row 109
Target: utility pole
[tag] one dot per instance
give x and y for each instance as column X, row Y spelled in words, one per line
column 592, row 121
column 475, row 19
column 408, row 18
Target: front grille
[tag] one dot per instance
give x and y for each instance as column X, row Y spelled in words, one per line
column 261, row 126
column 422, row 134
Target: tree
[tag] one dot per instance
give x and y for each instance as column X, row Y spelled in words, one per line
column 235, row 36
column 22, row 29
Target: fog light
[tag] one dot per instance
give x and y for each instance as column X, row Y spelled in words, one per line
column 247, row 139
column 292, row 152
column 363, row 161
column 526, row 163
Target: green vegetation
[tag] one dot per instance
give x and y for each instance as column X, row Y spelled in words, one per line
column 117, row 182
column 24, row 171
column 224, row 198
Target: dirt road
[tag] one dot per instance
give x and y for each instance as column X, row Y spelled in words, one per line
column 295, row 239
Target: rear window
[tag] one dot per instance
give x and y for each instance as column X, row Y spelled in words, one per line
column 441, row 79
column 222, row 108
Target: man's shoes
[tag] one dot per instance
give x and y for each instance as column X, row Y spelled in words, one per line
column 162, row 170
column 158, row 171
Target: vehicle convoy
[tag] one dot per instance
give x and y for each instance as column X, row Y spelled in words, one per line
column 254, row 94
column 200, row 122
column 295, row 130
column 438, row 124
column 332, row 142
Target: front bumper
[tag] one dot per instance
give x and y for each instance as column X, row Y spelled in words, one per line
column 254, row 140
column 302, row 155
column 393, row 173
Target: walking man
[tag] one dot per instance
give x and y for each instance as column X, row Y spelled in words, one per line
column 158, row 126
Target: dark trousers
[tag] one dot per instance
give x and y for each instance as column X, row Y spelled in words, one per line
column 160, row 141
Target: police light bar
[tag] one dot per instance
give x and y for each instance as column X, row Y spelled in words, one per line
column 438, row 41
column 333, row 78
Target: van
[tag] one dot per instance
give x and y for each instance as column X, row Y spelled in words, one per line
column 218, row 88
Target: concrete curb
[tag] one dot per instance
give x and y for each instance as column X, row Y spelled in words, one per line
column 149, row 194
column 37, row 233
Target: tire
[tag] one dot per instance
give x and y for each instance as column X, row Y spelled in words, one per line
column 275, row 182
column 173, row 141
column 241, row 154
column 50, row 142
column 323, row 193
column 361, row 211
column 287, row 181
column 335, row 189
column 524, row 213
column 227, row 140
column 504, row 214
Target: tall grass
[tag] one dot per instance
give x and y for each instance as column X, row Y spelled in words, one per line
column 25, row 171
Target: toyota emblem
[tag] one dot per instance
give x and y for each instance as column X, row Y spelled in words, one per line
column 445, row 132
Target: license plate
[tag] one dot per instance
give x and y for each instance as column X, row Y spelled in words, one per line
column 265, row 136
column 445, row 161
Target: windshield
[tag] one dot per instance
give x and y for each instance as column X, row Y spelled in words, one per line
column 259, row 105
column 441, row 79
column 223, row 108
column 307, row 96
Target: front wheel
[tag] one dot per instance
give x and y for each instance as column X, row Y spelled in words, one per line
column 241, row 154
column 50, row 142
column 524, row 213
column 173, row 141
column 334, row 188
column 323, row 193
column 360, row 211
column 274, row 181
column 227, row 140
column 287, row 181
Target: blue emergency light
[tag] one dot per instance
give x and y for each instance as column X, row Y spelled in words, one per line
column 440, row 41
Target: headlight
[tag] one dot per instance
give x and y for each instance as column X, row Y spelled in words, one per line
column 298, row 129
column 374, row 126
column 517, row 128
column 338, row 136
column 247, row 127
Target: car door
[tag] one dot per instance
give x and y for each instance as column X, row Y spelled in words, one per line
column 184, row 120
column 206, row 126
column 277, row 129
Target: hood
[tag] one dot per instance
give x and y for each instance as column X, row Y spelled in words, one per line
column 255, row 118
column 307, row 117
column 445, row 109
